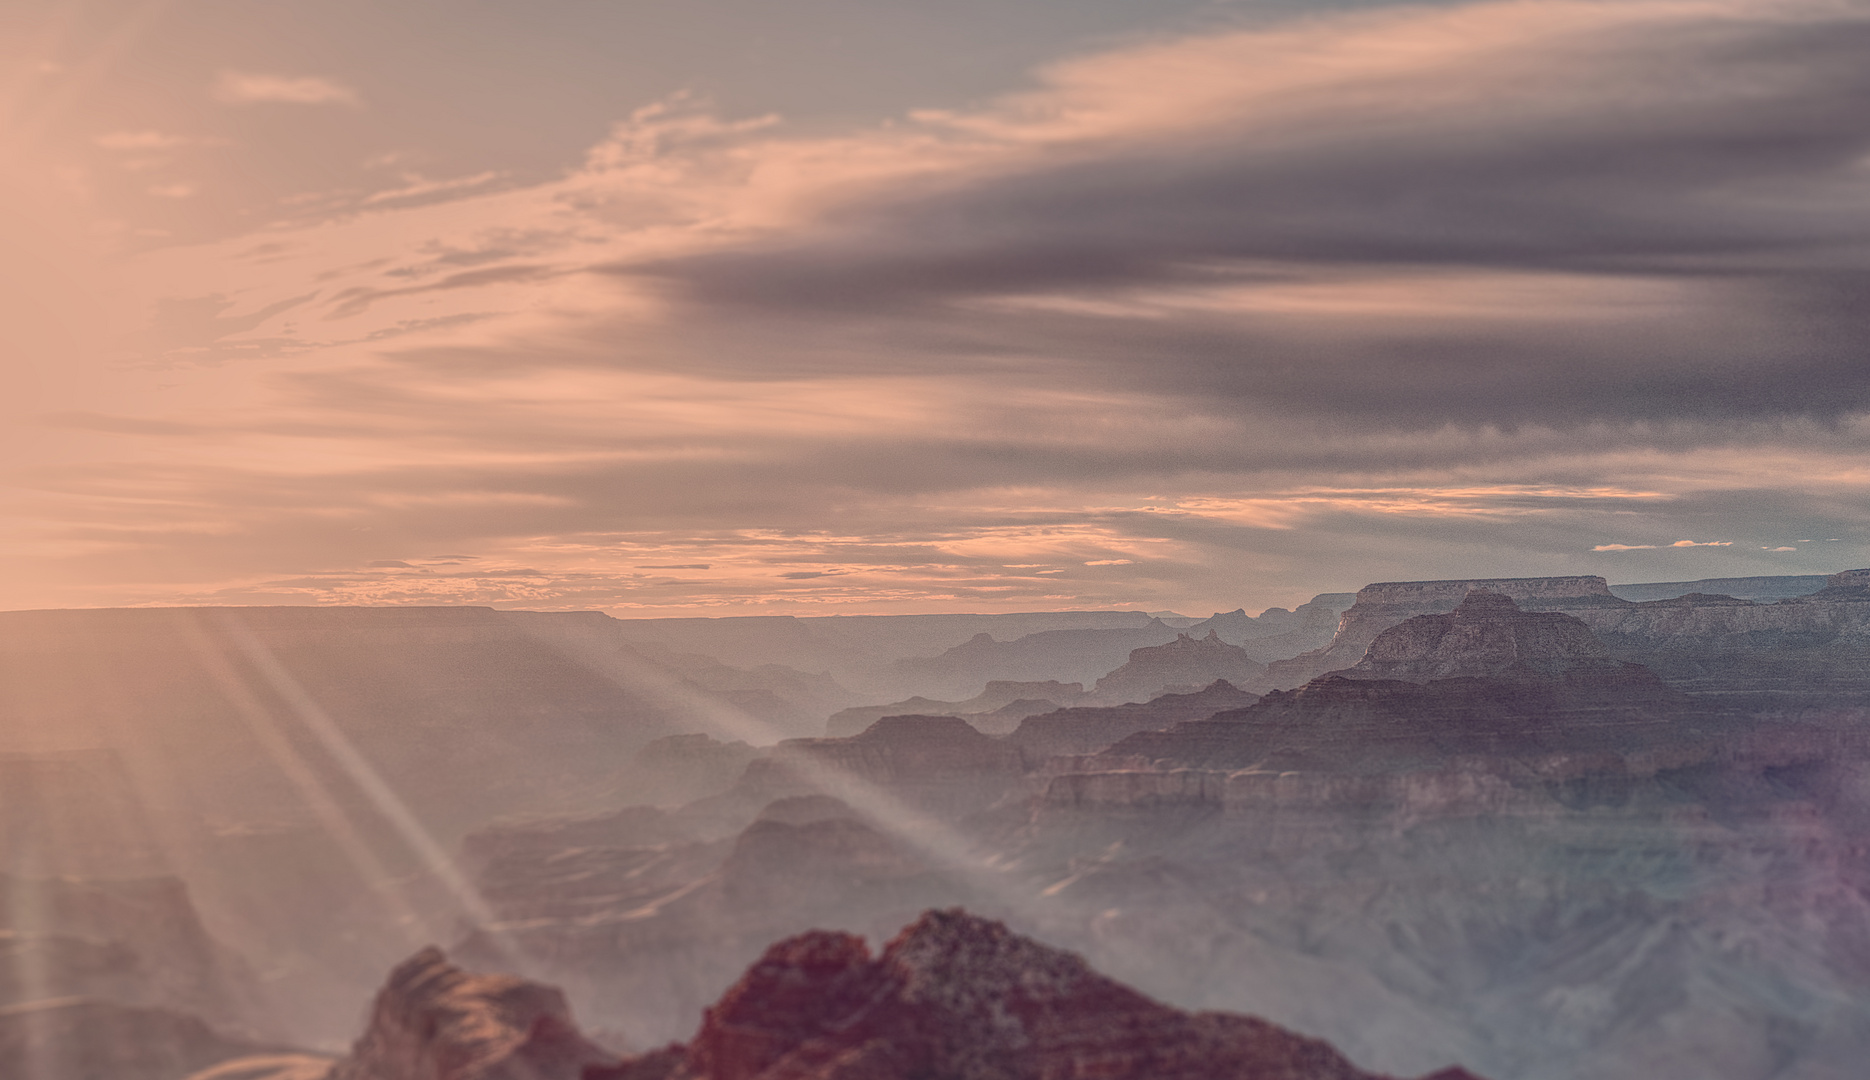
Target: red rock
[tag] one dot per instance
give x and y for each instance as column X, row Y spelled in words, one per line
column 964, row 998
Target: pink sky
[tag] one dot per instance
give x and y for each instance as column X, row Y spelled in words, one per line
column 1204, row 314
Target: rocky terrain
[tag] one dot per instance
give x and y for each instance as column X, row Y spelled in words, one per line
column 1530, row 825
column 1814, row 645
column 952, row 995
column 1180, row 667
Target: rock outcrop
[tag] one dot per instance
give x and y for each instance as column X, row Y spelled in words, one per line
column 1816, row 646
column 1382, row 605
column 434, row 1021
column 964, row 998
column 1484, row 679
column 1182, row 666
column 1486, row 636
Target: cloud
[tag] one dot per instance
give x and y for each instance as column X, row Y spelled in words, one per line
column 1778, row 549
column 1431, row 292
column 248, row 88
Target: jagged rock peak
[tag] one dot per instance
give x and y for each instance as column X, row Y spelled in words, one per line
column 434, row 1021
column 1487, row 635
column 964, row 998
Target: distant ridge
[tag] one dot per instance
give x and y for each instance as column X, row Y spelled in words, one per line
column 1779, row 587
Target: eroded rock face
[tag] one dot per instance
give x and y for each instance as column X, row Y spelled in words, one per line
column 964, row 998
column 1487, row 636
column 1814, row 646
column 1383, row 604
column 1182, row 666
column 434, row 1021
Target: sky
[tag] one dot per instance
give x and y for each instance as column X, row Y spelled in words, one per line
column 868, row 306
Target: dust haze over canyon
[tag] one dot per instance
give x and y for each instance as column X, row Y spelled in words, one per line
column 1067, row 540
column 1526, row 827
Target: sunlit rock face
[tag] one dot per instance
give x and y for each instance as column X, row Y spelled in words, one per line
column 1181, row 666
column 434, row 1021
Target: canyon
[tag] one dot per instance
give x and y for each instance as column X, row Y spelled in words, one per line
column 1538, row 827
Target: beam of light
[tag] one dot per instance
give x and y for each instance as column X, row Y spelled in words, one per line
column 365, row 776
column 27, row 918
column 932, row 839
column 326, row 808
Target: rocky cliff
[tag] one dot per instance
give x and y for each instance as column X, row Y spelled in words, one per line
column 1182, row 666
column 961, row 997
column 434, row 1021
column 1485, row 636
column 1814, row 645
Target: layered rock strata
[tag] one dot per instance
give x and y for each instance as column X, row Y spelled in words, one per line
column 1810, row 645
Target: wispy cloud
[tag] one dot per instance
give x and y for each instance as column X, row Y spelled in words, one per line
column 1433, row 291
column 248, row 88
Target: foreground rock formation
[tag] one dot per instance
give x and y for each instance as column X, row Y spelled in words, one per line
column 952, row 996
